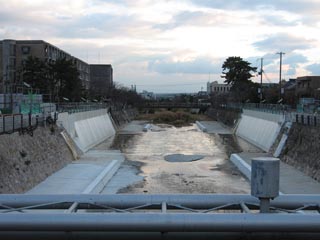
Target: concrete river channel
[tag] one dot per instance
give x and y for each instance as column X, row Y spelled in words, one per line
column 165, row 159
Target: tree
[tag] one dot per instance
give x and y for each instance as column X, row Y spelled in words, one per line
column 124, row 96
column 35, row 73
column 59, row 79
column 239, row 73
column 65, row 81
column 237, row 70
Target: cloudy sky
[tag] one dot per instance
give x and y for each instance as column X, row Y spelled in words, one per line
column 172, row 45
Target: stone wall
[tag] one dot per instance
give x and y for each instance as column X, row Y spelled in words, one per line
column 302, row 149
column 25, row 161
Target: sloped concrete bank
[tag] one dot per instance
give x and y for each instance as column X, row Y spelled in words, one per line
column 260, row 128
column 297, row 145
column 26, row 161
column 302, row 150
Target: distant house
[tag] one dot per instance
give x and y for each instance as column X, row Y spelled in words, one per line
column 218, row 88
column 148, row 95
column 308, row 86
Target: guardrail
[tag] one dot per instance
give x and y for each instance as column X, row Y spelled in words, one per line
column 304, row 118
column 80, row 107
column 271, row 108
column 24, row 123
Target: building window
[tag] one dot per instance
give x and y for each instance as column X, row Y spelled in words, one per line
column 25, row 49
column 12, row 63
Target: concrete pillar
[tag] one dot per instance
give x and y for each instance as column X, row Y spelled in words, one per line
column 265, row 180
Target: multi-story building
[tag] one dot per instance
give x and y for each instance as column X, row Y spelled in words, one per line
column 101, row 79
column 13, row 54
column 218, row 88
column 308, row 86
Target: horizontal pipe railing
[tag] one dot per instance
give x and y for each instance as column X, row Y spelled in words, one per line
column 195, row 201
column 160, row 222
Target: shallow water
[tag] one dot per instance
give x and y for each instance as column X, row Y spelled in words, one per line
column 212, row 174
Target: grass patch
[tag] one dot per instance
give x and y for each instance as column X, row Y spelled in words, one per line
column 177, row 118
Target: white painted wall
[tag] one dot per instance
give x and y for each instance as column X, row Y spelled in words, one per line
column 87, row 129
column 260, row 129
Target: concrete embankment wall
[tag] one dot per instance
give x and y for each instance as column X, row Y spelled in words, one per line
column 259, row 128
column 26, row 160
column 302, row 149
column 87, row 129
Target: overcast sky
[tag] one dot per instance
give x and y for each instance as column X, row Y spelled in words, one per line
column 173, row 46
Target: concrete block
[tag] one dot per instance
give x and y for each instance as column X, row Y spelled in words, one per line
column 201, row 126
column 265, row 177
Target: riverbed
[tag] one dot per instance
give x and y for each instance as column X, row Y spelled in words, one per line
column 146, row 169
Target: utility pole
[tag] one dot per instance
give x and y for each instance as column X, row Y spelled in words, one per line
column 261, row 71
column 280, row 92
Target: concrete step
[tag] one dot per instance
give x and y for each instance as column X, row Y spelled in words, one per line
column 88, row 175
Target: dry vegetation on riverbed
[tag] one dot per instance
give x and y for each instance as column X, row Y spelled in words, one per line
column 178, row 118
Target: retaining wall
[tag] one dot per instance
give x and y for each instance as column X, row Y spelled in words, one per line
column 25, row 161
column 87, row 129
column 302, row 149
column 260, row 128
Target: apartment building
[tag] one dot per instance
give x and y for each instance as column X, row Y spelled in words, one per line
column 101, row 79
column 13, row 54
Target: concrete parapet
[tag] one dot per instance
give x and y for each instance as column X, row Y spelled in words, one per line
column 244, row 167
column 201, row 126
column 274, row 117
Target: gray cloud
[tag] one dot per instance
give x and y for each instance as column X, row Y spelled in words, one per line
column 284, row 42
column 277, row 20
column 183, row 18
column 297, row 6
column 314, row 68
column 294, row 60
column 196, row 66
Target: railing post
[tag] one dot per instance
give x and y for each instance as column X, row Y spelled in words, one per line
column 12, row 122
column 30, row 123
column 265, row 180
column 3, row 123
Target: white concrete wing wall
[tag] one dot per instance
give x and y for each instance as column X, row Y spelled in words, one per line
column 87, row 129
column 92, row 131
column 260, row 131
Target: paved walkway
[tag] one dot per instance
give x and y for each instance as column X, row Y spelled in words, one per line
column 292, row 181
column 87, row 175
